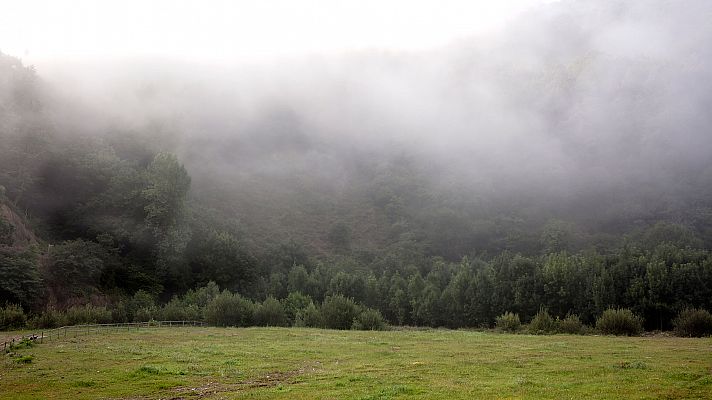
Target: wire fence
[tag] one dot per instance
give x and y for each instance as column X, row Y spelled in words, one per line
column 73, row 331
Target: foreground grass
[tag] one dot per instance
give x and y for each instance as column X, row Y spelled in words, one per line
column 290, row 363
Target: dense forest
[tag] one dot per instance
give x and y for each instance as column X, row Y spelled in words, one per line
column 440, row 189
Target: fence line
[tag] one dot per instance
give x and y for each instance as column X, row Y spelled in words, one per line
column 94, row 329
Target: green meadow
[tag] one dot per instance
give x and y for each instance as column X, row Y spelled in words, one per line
column 293, row 363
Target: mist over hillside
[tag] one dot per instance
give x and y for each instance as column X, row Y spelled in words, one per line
column 586, row 111
column 582, row 126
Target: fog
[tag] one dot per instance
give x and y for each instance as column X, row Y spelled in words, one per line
column 570, row 103
column 221, row 30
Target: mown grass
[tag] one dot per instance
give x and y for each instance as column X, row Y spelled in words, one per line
column 291, row 363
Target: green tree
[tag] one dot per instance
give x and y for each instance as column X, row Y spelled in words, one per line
column 298, row 279
column 222, row 259
column 567, row 283
column 604, row 291
column 427, row 310
column 348, row 285
column 483, row 307
column 456, row 297
column 75, row 268
column 400, row 306
column 21, row 282
column 277, row 285
column 167, row 184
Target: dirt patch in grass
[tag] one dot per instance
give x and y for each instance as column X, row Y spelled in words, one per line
column 271, row 379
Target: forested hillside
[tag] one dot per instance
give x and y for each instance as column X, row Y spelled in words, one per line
column 551, row 168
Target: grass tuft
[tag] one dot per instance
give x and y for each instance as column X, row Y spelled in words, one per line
column 632, row 365
column 24, row 359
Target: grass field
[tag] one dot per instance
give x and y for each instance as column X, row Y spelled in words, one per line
column 291, row 363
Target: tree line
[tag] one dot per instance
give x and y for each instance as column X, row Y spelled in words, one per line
column 655, row 284
column 104, row 221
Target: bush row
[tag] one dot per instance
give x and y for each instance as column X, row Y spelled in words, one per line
column 219, row 308
column 224, row 308
column 689, row 323
column 336, row 312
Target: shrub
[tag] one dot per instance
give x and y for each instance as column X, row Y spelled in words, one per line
column 50, row 318
column 369, row 320
column 140, row 307
column 542, row 323
column 693, row 322
column 87, row 314
column 338, row 312
column 309, row 317
column 619, row 322
column 12, row 317
column 177, row 310
column 295, row 303
column 24, row 343
column 119, row 312
column 508, row 322
column 202, row 296
column 145, row 314
column 270, row 313
column 142, row 299
column 571, row 324
column 228, row 309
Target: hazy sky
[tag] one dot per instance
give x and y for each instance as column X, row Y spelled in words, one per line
column 43, row 30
